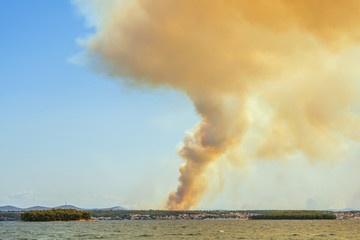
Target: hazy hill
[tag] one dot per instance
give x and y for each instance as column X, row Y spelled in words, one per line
column 343, row 210
column 112, row 208
column 36, row 208
column 68, row 207
column 9, row 208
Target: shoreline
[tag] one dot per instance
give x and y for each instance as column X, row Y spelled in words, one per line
column 187, row 220
column 92, row 220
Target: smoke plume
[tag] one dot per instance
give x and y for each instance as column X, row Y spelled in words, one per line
column 268, row 78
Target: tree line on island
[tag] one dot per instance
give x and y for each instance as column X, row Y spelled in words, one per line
column 55, row 215
column 294, row 215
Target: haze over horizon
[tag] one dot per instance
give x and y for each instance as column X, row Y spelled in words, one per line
column 96, row 97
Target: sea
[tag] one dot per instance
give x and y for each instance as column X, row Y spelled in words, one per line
column 184, row 229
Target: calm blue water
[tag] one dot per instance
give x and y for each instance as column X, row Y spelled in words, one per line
column 191, row 229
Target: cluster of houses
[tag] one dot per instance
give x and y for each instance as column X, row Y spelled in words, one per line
column 174, row 217
column 184, row 216
column 347, row 215
column 105, row 218
column 5, row 218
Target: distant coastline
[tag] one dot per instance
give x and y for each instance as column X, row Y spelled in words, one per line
column 100, row 215
column 11, row 213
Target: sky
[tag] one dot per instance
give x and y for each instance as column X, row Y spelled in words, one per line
column 70, row 132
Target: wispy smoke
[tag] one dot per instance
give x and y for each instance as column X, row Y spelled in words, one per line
column 268, row 78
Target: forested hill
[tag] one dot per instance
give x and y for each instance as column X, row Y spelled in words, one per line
column 294, row 215
column 55, row 215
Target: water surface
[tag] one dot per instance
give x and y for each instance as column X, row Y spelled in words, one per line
column 189, row 229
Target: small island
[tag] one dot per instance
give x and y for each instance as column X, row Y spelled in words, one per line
column 300, row 215
column 55, row 215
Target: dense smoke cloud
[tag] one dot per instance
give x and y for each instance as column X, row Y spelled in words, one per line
column 268, row 78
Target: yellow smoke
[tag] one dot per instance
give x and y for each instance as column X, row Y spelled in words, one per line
column 272, row 78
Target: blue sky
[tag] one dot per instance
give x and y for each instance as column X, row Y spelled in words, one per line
column 70, row 134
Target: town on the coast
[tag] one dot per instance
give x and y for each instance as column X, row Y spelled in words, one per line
column 100, row 215
column 182, row 215
column 206, row 215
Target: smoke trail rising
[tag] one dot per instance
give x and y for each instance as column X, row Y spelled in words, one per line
column 295, row 59
column 215, row 135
